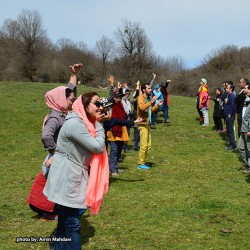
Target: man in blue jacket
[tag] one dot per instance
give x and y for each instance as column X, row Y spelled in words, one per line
column 229, row 115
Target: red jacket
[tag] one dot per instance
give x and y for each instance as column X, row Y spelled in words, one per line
column 36, row 196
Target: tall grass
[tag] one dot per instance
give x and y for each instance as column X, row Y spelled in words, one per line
column 194, row 197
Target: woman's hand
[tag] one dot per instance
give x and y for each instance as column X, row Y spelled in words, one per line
column 49, row 162
column 74, row 69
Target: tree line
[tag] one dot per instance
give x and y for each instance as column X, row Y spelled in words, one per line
column 27, row 54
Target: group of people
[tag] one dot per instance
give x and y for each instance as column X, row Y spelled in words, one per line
column 76, row 134
column 228, row 106
column 146, row 104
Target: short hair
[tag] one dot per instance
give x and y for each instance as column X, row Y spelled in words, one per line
column 143, row 86
column 219, row 89
column 86, row 99
column 230, row 83
column 246, row 81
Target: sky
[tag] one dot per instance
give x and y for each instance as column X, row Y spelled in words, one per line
column 187, row 29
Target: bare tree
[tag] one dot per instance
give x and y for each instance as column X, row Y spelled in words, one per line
column 104, row 51
column 135, row 50
column 222, row 59
column 9, row 50
column 33, row 38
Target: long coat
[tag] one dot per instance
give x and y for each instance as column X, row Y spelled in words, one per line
column 68, row 176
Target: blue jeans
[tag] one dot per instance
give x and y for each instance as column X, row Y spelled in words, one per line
column 165, row 110
column 115, row 153
column 69, row 227
column 125, row 145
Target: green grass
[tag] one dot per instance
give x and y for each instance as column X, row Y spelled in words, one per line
column 194, row 197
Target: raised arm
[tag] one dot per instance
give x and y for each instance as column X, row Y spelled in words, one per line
column 153, row 79
column 74, row 69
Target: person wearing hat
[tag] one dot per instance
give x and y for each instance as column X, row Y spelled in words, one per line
column 204, row 101
column 117, row 135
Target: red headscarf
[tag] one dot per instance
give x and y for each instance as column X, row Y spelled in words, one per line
column 99, row 171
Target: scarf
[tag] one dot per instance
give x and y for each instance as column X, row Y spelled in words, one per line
column 118, row 112
column 56, row 99
column 98, row 182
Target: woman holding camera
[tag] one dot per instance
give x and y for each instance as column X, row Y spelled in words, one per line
column 80, row 150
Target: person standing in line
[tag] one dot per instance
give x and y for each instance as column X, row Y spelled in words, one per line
column 79, row 173
column 144, row 110
column 204, row 101
column 239, row 102
column 217, row 111
column 244, row 140
column 229, row 115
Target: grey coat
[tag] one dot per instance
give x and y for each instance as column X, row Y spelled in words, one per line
column 68, row 175
column 245, row 127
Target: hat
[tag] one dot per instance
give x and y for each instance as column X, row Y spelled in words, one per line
column 106, row 102
column 118, row 94
column 204, row 80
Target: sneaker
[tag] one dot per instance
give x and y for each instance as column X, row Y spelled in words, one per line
column 143, row 166
column 114, row 174
column 247, row 171
column 244, row 168
column 152, row 127
column 121, row 171
column 48, row 217
column 203, row 125
column 136, row 149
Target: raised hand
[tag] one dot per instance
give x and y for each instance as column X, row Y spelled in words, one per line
column 75, row 68
column 111, row 80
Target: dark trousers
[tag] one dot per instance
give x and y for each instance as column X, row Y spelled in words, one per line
column 69, row 227
column 137, row 137
column 239, row 122
column 165, row 111
column 218, row 123
column 115, row 154
column 230, row 130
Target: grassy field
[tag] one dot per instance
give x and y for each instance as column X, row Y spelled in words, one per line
column 194, row 197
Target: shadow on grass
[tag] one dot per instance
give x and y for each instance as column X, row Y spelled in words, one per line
column 87, row 230
column 114, row 179
column 248, row 179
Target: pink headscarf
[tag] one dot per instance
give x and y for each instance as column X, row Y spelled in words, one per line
column 99, row 169
column 56, row 99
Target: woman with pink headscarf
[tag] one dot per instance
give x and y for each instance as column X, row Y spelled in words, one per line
column 59, row 100
column 79, row 174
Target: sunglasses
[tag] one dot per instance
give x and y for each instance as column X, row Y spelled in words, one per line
column 72, row 99
column 98, row 104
